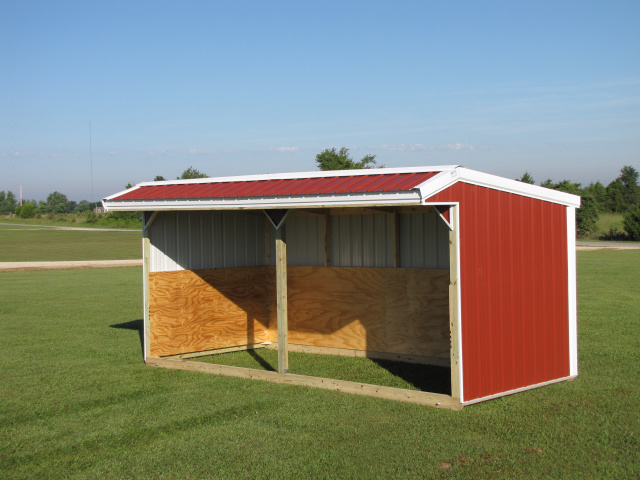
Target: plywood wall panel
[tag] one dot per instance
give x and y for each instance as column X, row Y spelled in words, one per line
column 402, row 311
column 199, row 310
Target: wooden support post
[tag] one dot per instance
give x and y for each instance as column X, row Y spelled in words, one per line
column 146, row 268
column 327, row 239
column 281, row 292
column 453, row 304
column 396, row 240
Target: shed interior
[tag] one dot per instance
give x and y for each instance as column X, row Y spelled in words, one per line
column 371, row 282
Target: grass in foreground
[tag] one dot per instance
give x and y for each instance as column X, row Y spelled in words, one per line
column 30, row 244
column 77, row 401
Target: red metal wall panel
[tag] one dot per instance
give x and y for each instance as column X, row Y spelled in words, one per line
column 513, row 286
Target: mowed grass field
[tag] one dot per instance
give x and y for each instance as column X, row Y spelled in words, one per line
column 76, row 400
column 20, row 243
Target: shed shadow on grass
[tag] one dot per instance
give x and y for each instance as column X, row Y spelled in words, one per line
column 133, row 325
column 427, row 378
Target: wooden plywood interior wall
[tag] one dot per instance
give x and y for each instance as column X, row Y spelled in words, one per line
column 393, row 310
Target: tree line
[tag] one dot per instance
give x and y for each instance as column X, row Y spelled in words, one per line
column 56, row 203
column 621, row 196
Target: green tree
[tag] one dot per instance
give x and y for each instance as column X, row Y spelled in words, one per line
column 159, row 178
column 192, row 173
column 615, row 197
column 330, row 159
column 8, row 203
column 631, row 223
column 599, row 193
column 58, row 203
column 587, row 216
column 629, row 181
column 83, row 206
column 526, row 178
column 27, row 211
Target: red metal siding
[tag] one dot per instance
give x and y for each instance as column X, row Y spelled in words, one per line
column 397, row 182
column 513, row 286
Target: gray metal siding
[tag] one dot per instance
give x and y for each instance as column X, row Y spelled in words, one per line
column 424, row 240
column 365, row 240
column 193, row 240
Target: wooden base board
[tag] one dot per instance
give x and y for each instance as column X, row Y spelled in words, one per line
column 217, row 351
column 347, row 352
column 378, row 391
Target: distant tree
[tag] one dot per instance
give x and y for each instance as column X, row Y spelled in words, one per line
column 27, row 210
column 58, row 203
column 8, row 203
column 548, row 183
column 599, row 193
column 615, row 197
column 158, row 178
column 128, row 186
column 330, row 159
column 630, row 191
column 526, row 178
column 631, row 223
column 192, row 173
column 83, row 206
column 587, row 216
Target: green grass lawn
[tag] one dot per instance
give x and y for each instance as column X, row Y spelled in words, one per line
column 29, row 244
column 76, row 400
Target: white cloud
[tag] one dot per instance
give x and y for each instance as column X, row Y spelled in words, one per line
column 419, row 147
column 284, row 149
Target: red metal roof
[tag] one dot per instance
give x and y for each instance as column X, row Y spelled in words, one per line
column 394, row 182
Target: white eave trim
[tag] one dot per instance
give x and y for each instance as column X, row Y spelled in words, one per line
column 290, row 176
column 317, row 201
column 445, row 179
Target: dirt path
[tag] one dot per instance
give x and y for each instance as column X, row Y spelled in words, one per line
column 22, row 266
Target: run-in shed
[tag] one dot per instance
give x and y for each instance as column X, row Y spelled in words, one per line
column 440, row 265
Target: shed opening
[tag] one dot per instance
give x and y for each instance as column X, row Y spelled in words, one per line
column 360, row 282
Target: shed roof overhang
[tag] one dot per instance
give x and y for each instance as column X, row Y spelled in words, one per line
column 343, row 188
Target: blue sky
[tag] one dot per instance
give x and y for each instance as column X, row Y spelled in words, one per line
column 248, row 87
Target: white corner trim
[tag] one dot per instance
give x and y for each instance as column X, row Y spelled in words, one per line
column 572, row 291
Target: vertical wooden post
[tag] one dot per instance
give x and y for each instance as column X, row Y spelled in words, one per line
column 453, row 304
column 327, row 239
column 396, row 240
column 281, row 292
column 146, row 264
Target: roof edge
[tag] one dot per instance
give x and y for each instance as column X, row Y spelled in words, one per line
column 291, row 176
column 445, row 179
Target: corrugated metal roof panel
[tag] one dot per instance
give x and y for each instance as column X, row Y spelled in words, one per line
column 394, row 182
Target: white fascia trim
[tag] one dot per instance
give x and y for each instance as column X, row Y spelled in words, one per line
column 518, row 188
column 572, row 291
column 292, row 175
column 439, row 182
column 447, row 178
column 517, row 390
column 316, row 201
